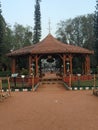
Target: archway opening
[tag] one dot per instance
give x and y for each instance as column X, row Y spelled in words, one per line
column 50, row 66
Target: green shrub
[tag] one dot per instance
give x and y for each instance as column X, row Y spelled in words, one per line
column 24, row 71
column 5, row 73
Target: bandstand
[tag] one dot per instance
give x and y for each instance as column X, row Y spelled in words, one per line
column 51, row 58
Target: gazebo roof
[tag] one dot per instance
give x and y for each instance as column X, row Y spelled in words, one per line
column 50, row 45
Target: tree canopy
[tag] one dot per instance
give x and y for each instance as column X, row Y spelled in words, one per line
column 2, row 35
column 96, row 31
column 22, row 36
column 77, row 31
column 2, row 30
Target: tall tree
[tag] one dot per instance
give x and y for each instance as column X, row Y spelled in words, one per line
column 2, row 34
column 77, row 31
column 37, row 22
column 22, row 36
column 2, row 30
column 96, row 31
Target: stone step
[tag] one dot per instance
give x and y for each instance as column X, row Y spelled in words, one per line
column 51, row 87
column 51, row 82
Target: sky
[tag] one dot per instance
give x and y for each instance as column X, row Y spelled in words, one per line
column 22, row 12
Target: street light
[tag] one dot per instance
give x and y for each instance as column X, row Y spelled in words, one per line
column 14, row 75
column 22, row 76
column 78, row 80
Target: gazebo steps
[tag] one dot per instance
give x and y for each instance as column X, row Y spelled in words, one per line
column 51, row 82
column 51, row 79
column 51, row 86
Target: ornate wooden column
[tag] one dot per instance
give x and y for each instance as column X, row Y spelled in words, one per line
column 70, row 60
column 83, row 66
column 13, row 69
column 30, row 64
column 87, row 64
column 64, row 64
column 36, row 63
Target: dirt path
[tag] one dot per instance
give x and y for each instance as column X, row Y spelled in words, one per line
column 69, row 110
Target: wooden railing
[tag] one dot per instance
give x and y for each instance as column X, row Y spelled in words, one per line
column 8, row 93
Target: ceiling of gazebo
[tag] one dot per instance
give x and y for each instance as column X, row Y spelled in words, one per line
column 50, row 45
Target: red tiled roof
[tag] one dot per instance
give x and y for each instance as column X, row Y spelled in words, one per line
column 50, row 45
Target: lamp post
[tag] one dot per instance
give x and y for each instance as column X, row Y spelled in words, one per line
column 70, row 80
column 78, row 80
column 94, row 81
column 22, row 76
column 14, row 75
column 32, row 81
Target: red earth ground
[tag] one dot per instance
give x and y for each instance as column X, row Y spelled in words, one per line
column 50, row 110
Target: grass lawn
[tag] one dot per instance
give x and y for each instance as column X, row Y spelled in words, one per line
column 84, row 83
column 12, row 85
column 87, row 83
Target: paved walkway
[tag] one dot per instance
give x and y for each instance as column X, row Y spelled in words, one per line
column 61, row 110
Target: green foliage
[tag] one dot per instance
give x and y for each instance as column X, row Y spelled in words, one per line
column 15, row 38
column 2, row 37
column 22, row 36
column 85, row 83
column 12, row 39
column 37, row 22
column 2, row 32
column 77, row 71
column 77, row 31
column 24, row 71
column 5, row 73
column 96, row 32
column 22, row 62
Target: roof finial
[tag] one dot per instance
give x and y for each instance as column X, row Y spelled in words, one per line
column 49, row 26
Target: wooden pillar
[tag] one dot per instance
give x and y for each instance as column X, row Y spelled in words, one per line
column 64, row 65
column 13, row 67
column 83, row 70
column 9, row 87
column 30, row 64
column 70, row 59
column 87, row 64
column 36, row 61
